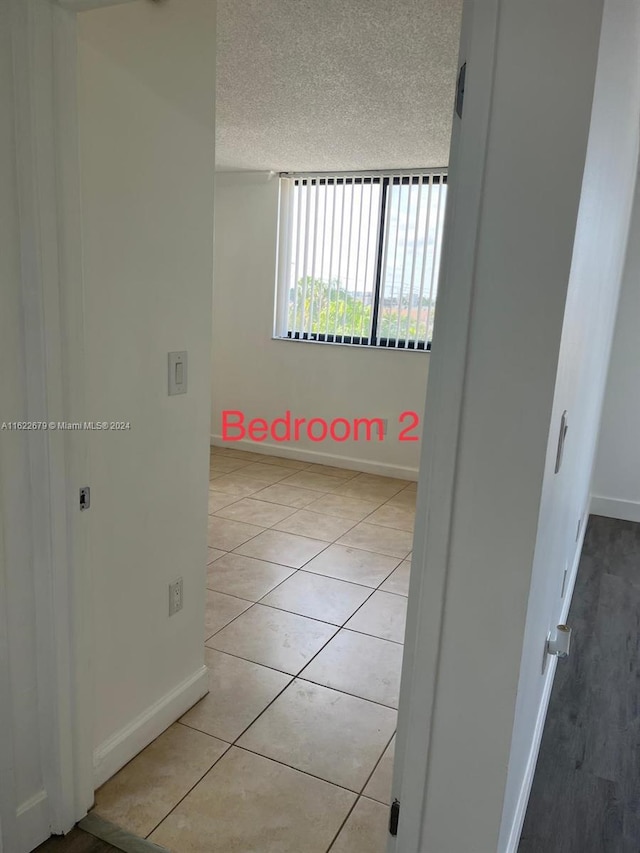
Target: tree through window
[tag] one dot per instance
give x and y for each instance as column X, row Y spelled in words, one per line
column 359, row 257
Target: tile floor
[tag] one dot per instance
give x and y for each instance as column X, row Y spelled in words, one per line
column 292, row 749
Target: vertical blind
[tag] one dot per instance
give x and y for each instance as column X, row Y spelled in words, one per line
column 359, row 256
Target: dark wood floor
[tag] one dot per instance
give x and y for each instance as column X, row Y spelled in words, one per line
column 76, row 841
column 586, row 790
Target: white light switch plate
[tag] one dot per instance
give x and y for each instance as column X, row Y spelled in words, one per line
column 177, row 373
column 175, row 596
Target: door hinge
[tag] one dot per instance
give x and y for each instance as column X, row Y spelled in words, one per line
column 394, row 816
column 85, row 498
column 462, row 75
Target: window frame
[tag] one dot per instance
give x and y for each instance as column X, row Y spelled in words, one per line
column 385, row 179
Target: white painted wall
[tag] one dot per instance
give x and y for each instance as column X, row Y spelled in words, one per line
column 146, row 114
column 597, row 267
column 553, row 227
column 21, row 776
column 264, row 377
column 616, row 481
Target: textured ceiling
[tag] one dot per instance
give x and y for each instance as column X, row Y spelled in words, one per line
column 335, row 84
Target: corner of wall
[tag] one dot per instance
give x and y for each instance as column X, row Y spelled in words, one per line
column 123, row 745
column 615, row 508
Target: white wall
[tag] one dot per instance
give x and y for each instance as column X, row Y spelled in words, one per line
column 597, row 266
column 549, row 259
column 616, row 481
column 146, row 114
column 264, row 377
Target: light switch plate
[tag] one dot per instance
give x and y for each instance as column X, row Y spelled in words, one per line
column 175, row 597
column 177, row 373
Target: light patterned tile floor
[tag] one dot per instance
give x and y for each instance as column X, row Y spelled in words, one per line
column 307, row 577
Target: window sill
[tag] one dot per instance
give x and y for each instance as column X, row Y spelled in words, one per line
column 351, row 346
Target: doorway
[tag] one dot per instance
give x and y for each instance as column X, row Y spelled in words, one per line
column 308, row 567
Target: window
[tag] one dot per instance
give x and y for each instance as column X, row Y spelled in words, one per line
column 359, row 256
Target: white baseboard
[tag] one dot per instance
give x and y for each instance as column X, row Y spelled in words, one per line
column 525, row 789
column 33, row 821
column 615, row 508
column 122, row 746
column 527, row 782
column 351, row 463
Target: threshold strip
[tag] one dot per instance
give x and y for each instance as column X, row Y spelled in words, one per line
column 116, row 836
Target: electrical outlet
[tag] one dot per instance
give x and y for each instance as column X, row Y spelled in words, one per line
column 175, row 596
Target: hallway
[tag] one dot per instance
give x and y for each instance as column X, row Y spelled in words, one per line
column 586, row 790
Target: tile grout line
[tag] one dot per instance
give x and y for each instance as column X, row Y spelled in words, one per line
column 247, row 660
column 309, row 662
column 246, row 610
column 377, row 765
column 295, row 570
column 321, row 492
column 251, row 496
column 305, row 465
column 306, row 571
column 296, row 769
column 304, row 568
column 256, row 602
column 345, row 692
column 265, row 529
column 235, row 745
column 342, row 825
column 355, row 471
column 209, row 769
column 324, row 622
column 292, row 678
column 234, row 742
column 221, row 451
column 216, row 514
column 277, row 530
column 361, row 795
column 339, row 627
column 280, row 481
column 299, row 676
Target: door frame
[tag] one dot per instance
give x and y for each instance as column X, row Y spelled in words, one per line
column 43, row 37
column 44, row 48
column 437, row 478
